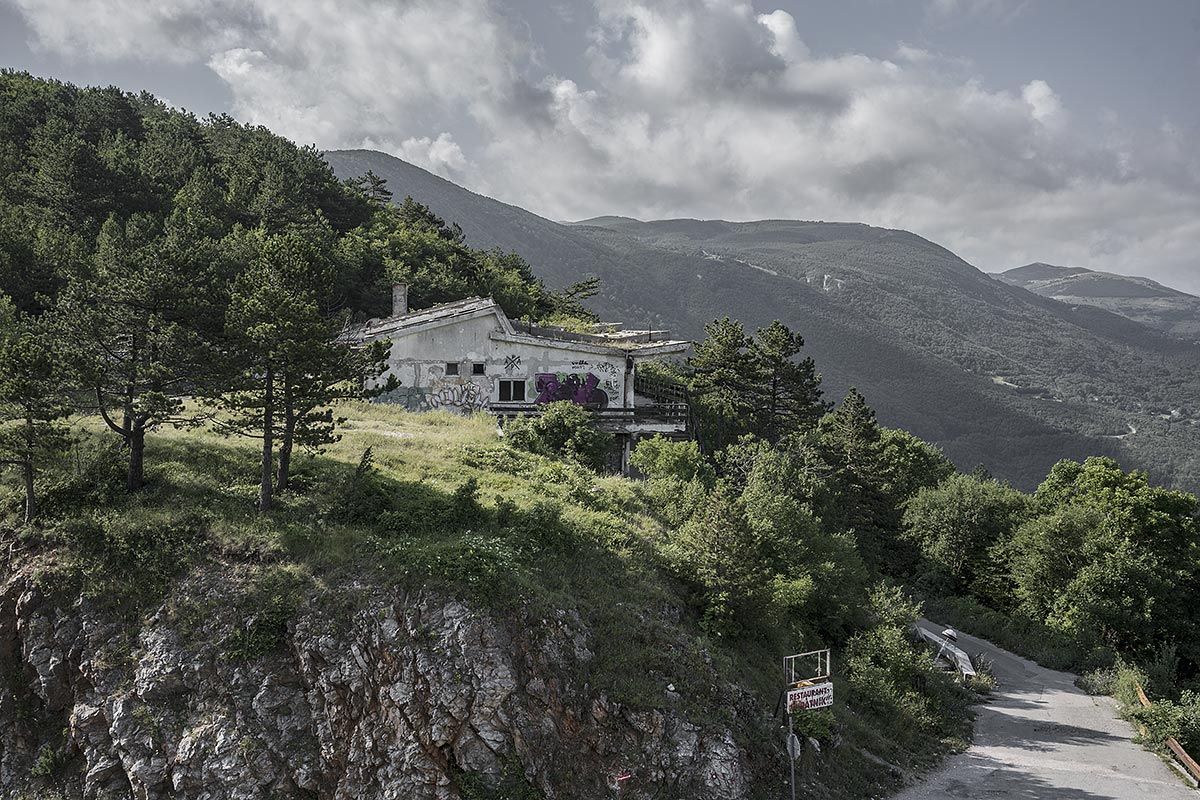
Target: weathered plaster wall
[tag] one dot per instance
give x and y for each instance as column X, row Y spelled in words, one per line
column 418, row 361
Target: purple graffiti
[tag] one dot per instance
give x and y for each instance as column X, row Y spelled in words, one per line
column 582, row 390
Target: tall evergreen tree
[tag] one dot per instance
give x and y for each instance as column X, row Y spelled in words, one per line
column 373, row 187
column 851, row 443
column 295, row 358
column 139, row 320
column 786, row 391
column 33, row 397
column 722, row 383
column 270, row 324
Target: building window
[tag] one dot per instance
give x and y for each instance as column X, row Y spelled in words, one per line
column 451, row 369
column 477, row 368
column 512, row 391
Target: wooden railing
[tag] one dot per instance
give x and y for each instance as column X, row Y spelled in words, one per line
column 657, row 389
column 1172, row 743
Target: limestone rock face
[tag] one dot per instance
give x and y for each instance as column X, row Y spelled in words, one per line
column 395, row 698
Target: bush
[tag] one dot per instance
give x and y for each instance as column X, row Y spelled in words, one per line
column 562, row 429
column 271, row 603
column 94, row 476
column 124, row 560
column 364, row 497
column 897, row 681
column 660, row 457
column 1167, row 718
column 678, row 501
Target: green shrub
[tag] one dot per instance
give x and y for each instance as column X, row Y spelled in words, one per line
column 511, row 784
column 497, row 458
column 660, row 457
column 1098, row 681
column 1125, row 682
column 125, row 559
column 94, row 476
column 1179, row 719
column 676, row 500
column 561, row 429
column 271, row 604
column 48, row 762
column 364, row 496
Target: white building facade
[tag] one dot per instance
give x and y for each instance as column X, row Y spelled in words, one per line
column 468, row 356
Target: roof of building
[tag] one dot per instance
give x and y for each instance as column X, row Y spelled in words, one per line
column 468, row 308
column 636, row 342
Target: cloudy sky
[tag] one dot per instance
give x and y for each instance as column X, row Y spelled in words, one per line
column 1010, row 131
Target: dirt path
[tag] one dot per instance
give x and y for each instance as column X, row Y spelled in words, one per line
column 1038, row 737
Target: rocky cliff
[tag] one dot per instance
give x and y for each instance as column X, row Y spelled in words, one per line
column 381, row 693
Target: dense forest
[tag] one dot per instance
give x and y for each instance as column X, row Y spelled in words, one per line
column 165, row 277
column 155, row 267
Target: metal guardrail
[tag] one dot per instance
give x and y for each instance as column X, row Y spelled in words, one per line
column 950, row 651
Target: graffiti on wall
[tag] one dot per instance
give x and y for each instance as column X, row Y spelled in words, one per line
column 463, row 398
column 458, row 397
column 581, row 389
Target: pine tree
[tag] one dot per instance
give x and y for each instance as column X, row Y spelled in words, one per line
column 140, row 322
column 787, row 392
column 270, row 325
column 295, row 359
column 33, row 397
column 373, row 187
column 851, row 442
column 722, row 383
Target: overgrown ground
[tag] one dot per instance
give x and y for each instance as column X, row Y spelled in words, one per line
column 438, row 500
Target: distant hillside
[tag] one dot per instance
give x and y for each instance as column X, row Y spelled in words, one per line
column 1140, row 299
column 994, row 374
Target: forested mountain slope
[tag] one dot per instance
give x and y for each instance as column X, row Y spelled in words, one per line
column 992, row 373
column 1140, row 299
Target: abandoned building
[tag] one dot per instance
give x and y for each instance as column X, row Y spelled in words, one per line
column 468, row 356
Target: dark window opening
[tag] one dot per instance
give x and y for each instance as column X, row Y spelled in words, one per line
column 451, row 369
column 477, row 368
column 512, row 391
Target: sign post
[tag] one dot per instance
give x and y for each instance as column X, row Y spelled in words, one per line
column 809, row 698
column 808, row 686
column 620, row 781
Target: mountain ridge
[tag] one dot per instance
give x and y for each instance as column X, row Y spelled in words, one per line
column 1134, row 297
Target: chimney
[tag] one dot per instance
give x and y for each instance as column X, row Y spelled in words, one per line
column 399, row 299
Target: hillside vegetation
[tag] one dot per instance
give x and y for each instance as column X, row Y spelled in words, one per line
column 434, row 502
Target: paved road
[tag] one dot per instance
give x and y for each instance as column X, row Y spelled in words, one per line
column 1038, row 737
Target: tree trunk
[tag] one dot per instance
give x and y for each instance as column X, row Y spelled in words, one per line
column 264, row 491
column 136, row 477
column 30, row 500
column 284, row 474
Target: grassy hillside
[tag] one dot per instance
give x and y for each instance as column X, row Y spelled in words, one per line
column 440, row 503
column 993, row 374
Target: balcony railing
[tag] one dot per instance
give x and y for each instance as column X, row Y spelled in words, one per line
column 669, row 413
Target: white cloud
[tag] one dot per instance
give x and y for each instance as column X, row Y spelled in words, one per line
column 916, row 55
column 441, row 155
column 691, row 108
column 1045, row 105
